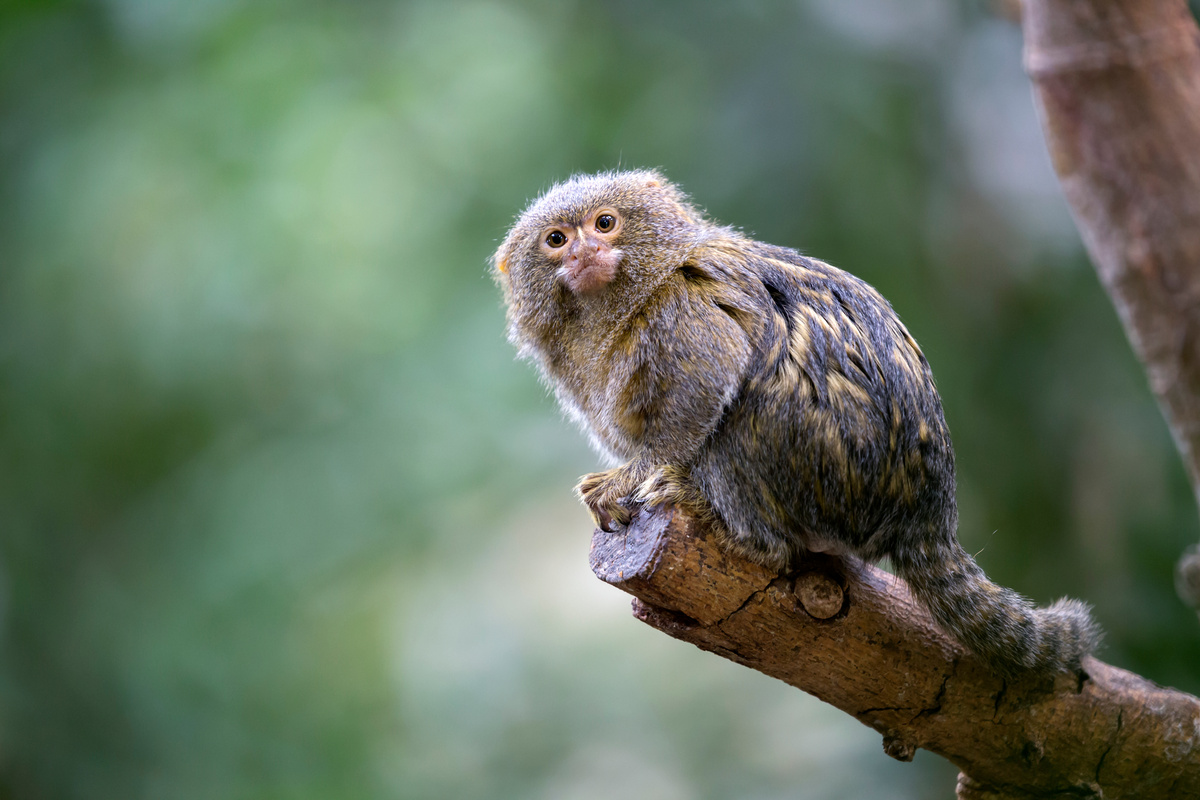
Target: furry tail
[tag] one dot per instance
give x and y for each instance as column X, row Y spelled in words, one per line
column 1000, row 626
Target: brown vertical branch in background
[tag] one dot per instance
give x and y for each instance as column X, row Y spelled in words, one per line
column 1117, row 83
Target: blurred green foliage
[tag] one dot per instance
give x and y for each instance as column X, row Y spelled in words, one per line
column 280, row 517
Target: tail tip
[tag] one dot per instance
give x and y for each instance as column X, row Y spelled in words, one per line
column 1072, row 633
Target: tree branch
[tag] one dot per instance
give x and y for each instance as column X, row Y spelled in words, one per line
column 1117, row 83
column 851, row 635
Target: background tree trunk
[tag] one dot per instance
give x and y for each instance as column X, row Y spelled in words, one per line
column 1117, row 85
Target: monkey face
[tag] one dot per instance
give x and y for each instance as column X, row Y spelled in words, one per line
column 591, row 247
column 585, row 253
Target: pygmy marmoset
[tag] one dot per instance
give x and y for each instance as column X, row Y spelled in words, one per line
column 771, row 394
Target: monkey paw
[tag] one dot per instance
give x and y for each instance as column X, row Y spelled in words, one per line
column 615, row 495
column 607, row 495
column 666, row 485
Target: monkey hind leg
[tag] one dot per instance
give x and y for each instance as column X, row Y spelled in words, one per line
column 670, row 485
column 773, row 552
column 998, row 625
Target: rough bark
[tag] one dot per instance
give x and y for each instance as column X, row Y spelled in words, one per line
column 1117, row 83
column 851, row 635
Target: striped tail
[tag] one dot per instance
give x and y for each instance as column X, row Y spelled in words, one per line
column 998, row 625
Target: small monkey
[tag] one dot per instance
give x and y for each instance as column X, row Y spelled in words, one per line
column 772, row 395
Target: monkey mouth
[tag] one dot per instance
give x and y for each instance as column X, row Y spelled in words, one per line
column 575, row 278
column 589, row 275
column 574, row 274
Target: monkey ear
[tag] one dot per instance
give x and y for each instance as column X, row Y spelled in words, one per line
column 500, row 259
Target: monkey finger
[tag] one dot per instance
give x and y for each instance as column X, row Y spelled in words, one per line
column 590, row 482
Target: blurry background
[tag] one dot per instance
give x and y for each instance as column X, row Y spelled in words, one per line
column 280, row 515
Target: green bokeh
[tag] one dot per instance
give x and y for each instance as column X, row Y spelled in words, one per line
column 281, row 517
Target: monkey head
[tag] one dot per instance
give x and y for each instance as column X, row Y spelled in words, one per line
column 590, row 242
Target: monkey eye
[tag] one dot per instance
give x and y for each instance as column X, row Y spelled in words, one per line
column 556, row 239
column 605, row 223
